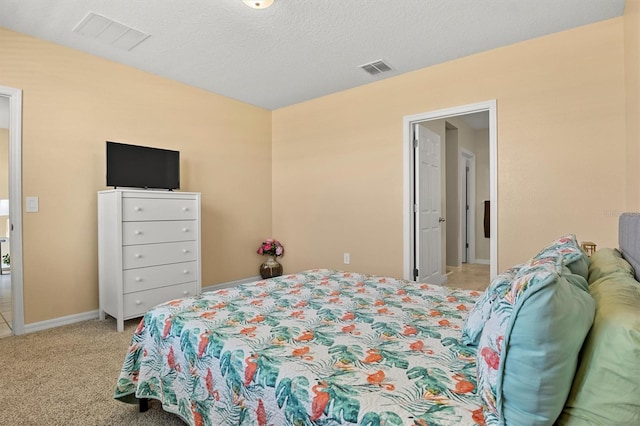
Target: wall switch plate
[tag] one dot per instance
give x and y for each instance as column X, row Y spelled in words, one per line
column 347, row 258
column 32, row 205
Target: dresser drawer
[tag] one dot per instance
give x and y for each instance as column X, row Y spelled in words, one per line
column 139, row 279
column 144, row 255
column 158, row 232
column 136, row 304
column 141, row 209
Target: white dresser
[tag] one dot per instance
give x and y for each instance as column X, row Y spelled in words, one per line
column 148, row 250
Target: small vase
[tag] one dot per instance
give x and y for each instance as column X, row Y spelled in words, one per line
column 270, row 268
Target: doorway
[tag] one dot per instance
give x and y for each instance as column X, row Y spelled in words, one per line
column 468, row 206
column 412, row 238
column 11, row 110
column 6, row 302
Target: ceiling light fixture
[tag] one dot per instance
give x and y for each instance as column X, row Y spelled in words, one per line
column 258, row 4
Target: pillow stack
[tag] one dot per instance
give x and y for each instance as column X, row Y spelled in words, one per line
column 539, row 315
column 606, row 387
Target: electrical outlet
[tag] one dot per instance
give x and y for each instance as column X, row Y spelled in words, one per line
column 347, row 258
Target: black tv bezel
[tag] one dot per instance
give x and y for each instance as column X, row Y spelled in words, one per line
column 132, row 184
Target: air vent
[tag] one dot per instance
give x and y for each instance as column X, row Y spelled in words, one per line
column 109, row 31
column 376, row 67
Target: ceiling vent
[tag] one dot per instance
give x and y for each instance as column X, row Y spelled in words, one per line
column 109, row 31
column 376, row 67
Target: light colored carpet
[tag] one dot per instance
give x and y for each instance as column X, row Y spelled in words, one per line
column 66, row 376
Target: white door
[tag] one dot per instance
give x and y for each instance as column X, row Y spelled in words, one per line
column 428, row 217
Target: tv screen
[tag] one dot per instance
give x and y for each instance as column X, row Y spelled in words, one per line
column 135, row 166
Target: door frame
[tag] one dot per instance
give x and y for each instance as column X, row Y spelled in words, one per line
column 15, row 205
column 467, row 156
column 408, row 184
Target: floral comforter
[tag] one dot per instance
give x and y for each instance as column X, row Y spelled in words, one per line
column 316, row 348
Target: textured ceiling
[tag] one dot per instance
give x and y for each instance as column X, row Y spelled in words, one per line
column 299, row 49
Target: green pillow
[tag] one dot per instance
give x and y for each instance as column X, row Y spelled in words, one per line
column 606, row 388
column 607, row 261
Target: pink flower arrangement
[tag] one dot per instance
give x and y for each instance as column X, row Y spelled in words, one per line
column 271, row 247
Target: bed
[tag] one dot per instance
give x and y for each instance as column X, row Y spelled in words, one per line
column 342, row 347
column 326, row 347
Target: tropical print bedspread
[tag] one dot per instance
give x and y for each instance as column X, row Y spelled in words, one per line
column 317, row 348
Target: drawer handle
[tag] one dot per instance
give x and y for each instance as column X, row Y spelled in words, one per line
column 137, row 232
column 138, row 255
column 185, row 251
column 138, row 302
column 186, row 272
column 185, row 209
column 137, row 209
column 185, row 292
column 138, row 279
column 185, row 229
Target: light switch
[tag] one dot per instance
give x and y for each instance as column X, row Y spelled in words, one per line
column 32, row 204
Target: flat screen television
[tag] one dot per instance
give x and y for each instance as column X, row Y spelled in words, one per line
column 135, row 166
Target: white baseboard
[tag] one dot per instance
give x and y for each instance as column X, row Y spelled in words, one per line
column 85, row 316
column 57, row 322
column 483, row 261
column 230, row 284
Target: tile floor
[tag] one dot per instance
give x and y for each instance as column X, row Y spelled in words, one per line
column 6, row 309
column 471, row 276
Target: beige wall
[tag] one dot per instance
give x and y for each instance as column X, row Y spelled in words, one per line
column 632, row 81
column 72, row 103
column 338, row 160
column 481, row 142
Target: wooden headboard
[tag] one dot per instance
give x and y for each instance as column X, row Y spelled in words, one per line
column 629, row 240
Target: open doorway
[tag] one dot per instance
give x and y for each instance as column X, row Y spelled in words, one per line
column 468, row 230
column 11, row 307
column 6, row 303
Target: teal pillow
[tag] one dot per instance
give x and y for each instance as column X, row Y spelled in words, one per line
column 607, row 261
column 572, row 254
column 606, row 387
column 528, row 350
column 575, row 279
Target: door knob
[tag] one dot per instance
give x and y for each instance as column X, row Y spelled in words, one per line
column 441, row 219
